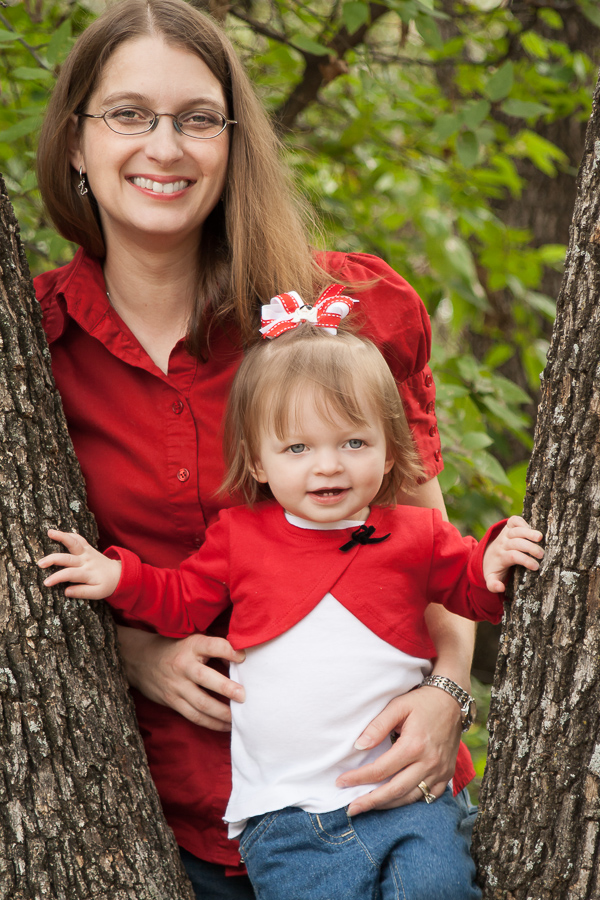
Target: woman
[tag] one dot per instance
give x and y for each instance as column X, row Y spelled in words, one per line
column 157, row 158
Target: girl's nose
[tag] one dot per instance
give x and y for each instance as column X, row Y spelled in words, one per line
column 328, row 462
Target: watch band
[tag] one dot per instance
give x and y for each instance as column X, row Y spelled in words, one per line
column 468, row 707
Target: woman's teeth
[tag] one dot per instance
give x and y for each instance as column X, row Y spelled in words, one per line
column 158, row 188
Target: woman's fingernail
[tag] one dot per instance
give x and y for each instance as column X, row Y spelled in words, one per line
column 363, row 743
column 340, row 783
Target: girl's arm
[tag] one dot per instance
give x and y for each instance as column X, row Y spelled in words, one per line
column 174, row 601
column 170, row 672
column 428, row 721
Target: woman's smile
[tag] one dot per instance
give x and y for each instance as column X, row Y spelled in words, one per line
column 157, row 184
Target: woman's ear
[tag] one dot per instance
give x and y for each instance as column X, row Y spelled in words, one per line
column 74, row 144
column 389, row 465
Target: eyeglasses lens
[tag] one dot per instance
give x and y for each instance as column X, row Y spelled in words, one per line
column 197, row 123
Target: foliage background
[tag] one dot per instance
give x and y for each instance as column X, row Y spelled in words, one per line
column 441, row 135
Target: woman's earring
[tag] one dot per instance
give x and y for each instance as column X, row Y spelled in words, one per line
column 81, row 187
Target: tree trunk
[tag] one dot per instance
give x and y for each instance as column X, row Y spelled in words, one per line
column 79, row 813
column 539, row 828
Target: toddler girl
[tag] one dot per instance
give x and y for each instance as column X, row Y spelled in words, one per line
column 329, row 582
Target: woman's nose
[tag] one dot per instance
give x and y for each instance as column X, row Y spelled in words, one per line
column 163, row 143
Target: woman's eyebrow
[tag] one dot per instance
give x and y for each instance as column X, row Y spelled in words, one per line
column 122, row 97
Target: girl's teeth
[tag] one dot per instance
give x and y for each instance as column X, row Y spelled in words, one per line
column 159, row 188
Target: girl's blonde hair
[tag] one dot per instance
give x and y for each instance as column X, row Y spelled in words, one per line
column 351, row 380
column 254, row 243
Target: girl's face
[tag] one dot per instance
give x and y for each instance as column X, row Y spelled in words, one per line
column 325, row 469
column 155, row 188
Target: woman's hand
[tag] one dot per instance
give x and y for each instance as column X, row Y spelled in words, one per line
column 175, row 673
column 428, row 723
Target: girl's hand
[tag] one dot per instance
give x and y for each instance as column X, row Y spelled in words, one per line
column 429, row 726
column 94, row 576
column 516, row 545
column 175, row 673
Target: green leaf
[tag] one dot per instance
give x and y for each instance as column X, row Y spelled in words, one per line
column 429, row 31
column 447, row 124
column 25, row 126
column 542, row 303
column 499, row 85
column 524, row 109
column 476, row 440
column 488, row 466
column 499, row 354
column 534, row 44
column 474, row 113
column 60, row 43
column 307, row 45
column 354, row 15
column 503, row 413
column 448, row 477
column 8, row 36
column 24, row 73
column 467, row 148
column 551, row 18
column 591, row 12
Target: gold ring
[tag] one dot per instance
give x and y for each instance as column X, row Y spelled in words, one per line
column 427, row 795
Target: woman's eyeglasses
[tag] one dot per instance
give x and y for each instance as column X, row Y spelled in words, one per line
column 196, row 123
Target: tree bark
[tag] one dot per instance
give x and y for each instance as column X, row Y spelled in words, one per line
column 79, row 813
column 539, row 828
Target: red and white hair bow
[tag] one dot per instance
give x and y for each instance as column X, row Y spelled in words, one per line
column 287, row 311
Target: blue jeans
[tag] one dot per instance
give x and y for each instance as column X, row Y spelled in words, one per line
column 415, row 852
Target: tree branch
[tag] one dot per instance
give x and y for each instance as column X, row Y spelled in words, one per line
column 27, row 46
column 318, row 70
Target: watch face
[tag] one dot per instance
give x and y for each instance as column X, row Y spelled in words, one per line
column 471, row 710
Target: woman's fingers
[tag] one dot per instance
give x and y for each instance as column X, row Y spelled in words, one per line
column 174, row 673
column 401, row 790
column 428, row 722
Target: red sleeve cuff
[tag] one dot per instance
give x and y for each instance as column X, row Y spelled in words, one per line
column 490, row 605
column 418, row 398
column 126, row 593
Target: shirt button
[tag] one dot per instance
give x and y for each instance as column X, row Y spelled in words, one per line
column 428, row 380
column 437, row 455
column 183, row 474
column 430, row 407
column 433, row 430
column 177, row 407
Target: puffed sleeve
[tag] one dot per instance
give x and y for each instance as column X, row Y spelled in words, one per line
column 393, row 316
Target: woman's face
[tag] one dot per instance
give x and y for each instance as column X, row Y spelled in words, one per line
column 148, row 72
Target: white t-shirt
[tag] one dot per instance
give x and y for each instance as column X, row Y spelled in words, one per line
column 310, row 693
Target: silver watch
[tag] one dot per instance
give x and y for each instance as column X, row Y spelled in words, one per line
column 468, row 707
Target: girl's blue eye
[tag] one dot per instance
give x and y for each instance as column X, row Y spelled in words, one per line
column 297, row 448
column 355, row 443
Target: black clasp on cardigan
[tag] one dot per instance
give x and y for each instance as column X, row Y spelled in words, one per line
column 362, row 535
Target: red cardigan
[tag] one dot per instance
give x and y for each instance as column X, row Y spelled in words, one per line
column 275, row 574
column 149, row 445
